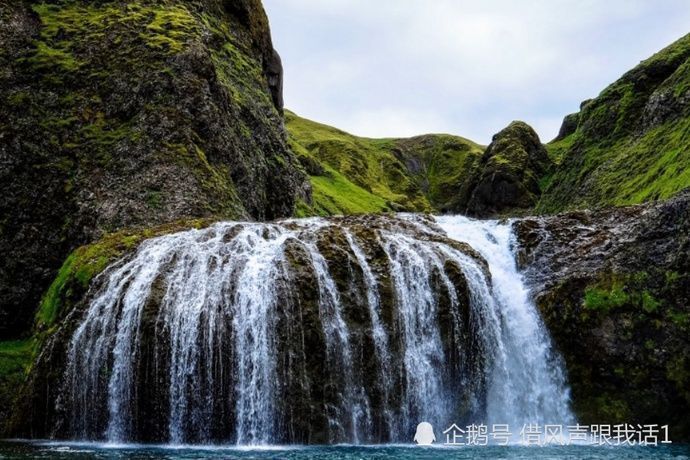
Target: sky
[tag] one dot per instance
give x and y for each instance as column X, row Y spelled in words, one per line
column 398, row 68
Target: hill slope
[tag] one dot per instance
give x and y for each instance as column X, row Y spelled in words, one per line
column 351, row 174
column 629, row 145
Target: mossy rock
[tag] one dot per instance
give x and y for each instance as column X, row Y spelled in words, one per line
column 507, row 180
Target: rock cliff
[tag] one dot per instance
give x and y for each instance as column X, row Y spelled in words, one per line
column 507, row 177
column 122, row 114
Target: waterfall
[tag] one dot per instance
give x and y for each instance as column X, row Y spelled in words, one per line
column 527, row 381
column 313, row 330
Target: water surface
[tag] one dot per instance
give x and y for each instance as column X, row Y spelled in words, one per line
column 58, row 450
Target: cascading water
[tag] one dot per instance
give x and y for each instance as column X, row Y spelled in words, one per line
column 339, row 330
column 527, row 383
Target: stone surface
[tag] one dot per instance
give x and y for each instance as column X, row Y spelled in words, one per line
column 614, row 290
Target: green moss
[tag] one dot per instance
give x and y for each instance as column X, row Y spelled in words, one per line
column 154, row 199
column 46, row 57
column 164, row 27
column 15, row 360
column 214, row 180
column 15, row 357
column 617, row 156
column 238, row 72
column 170, row 29
column 302, row 209
column 633, row 291
column 680, row 319
column 649, row 303
column 81, row 50
column 333, row 194
column 603, row 300
column 558, row 149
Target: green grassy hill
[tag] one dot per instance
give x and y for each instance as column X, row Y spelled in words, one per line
column 630, row 144
column 351, row 175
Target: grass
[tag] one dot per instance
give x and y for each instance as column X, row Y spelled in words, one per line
column 15, row 360
column 351, row 174
column 334, row 194
column 655, row 166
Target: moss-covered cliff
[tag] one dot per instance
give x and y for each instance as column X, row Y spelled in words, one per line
column 121, row 114
column 631, row 143
column 351, row 174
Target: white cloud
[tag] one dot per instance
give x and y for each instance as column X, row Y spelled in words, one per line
column 412, row 66
column 395, row 122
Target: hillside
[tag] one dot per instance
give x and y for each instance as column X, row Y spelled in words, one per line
column 351, row 175
column 630, row 144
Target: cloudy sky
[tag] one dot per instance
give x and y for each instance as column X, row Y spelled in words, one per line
column 384, row 68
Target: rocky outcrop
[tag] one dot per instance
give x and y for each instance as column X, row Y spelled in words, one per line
column 507, row 177
column 614, row 290
column 127, row 114
column 568, row 127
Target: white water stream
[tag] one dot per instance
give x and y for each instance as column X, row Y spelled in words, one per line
column 202, row 311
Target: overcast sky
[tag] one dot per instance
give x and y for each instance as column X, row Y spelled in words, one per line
column 384, row 68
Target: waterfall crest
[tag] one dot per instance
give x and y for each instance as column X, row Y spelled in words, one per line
column 310, row 331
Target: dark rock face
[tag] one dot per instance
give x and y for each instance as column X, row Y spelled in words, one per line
column 507, row 178
column 614, row 289
column 568, row 127
column 124, row 114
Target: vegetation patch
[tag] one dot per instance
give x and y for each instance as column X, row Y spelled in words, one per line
column 351, row 174
column 632, row 142
column 632, row 291
column 15, row 360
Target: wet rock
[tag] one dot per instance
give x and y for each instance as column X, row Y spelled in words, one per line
column 614, row 290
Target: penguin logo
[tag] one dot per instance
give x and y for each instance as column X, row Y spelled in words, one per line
column 425, row 434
